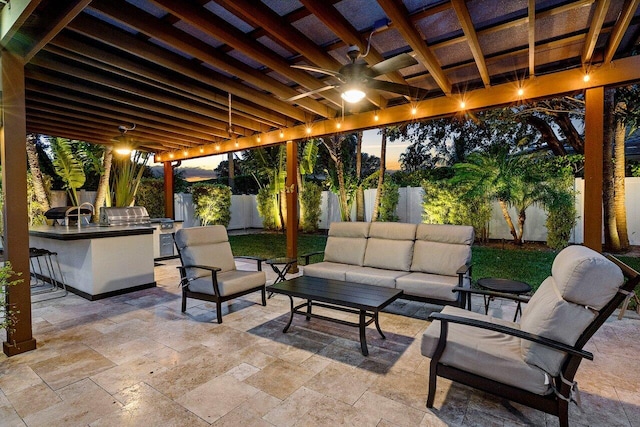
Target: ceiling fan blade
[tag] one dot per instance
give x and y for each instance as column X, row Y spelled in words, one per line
column 394, row 63
column 410, row 91
column 317, row 70
column 311, row 92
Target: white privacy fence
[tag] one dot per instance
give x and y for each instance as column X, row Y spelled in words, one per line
column 244, row 212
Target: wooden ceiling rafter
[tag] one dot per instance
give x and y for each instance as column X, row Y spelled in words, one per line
column 460, row 7
column 139, row 94
column 216, row 27
column 98, row 31
column 106, row 108
column 115, row 121
column 399, row 15
column 599, row 15
column 130, row 15
column 620, row 27
column 531, row 36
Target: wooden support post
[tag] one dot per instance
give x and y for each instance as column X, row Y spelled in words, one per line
column 593, row 167
column 13, row 137
column 168, row 191
column 292, row 202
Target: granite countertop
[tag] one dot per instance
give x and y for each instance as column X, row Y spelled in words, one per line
column 91, row 231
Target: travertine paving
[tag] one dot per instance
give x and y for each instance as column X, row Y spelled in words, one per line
column 135, row 360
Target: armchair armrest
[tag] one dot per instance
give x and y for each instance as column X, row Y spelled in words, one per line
column 259, row 260
column 463, row 269
column 514, row 297
column 309, row 255
column 447, row 318
column 203, row 267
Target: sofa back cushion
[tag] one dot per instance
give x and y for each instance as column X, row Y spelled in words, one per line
column 442, row 248
column 393, row 230
column 566, row 303
column 347, row 242
column 439, row 258
column 390, row 245
column 446, row 233
column 205, row 246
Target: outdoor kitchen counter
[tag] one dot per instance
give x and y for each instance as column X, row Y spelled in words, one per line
column 99, row 262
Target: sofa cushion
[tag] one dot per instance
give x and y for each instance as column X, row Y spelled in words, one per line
column 388, row 254
column 439, row 258
column 393, row 230
column 230, row 282
column 585, row 277
column 328, row 270
column 446, row 233
column 345, row 250
column 550, row 316
column 486, row 353
column 426, row 285
column 374, row 276
column 349, row 229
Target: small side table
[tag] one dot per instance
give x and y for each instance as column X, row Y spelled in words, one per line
column 281, row 267
column 506, row 286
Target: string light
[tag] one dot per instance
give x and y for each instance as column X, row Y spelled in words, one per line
column 376, row 117
column 338, row 125
column 414, row 111
column 586, row 77
column 202, row 149
column 308, row 130
column 520, row 92
column 158, row 158
column 463, row 104
column 281, row 133
column 259, row 139
column 217, row 147
column 237, row 143
column 185, row 152
column 171, row 155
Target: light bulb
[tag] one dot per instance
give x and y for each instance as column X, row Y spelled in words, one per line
column 586, row 77
column 171, row 155
column 463, row 104
column 414, row 110
column 520, row 92
column 202, row 149
column 338, row 125
column 308, row 130
column 281, row 134
column 376, row 117
column 259, row 139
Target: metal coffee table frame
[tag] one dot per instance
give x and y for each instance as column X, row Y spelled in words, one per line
column 355, row 298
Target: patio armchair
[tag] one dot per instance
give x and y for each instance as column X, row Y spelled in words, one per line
column 533, row 362
column 208, row 271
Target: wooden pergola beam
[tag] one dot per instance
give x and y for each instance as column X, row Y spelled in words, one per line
column 399, row 16
column 599, row 15
column 469, row 31
column 531, row 36
column 626, row 15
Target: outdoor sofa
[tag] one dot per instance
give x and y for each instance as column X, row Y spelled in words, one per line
column 426, row 261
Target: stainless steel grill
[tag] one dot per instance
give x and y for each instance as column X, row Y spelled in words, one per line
column 131, row 215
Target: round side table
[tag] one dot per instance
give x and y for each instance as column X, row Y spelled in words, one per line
column 506, row 286
column 281, row 267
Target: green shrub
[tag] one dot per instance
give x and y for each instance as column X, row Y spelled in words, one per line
column 561, row 218
column 151, row 196
column 267, row 209
column 389, row 202
column 212, row 203
column 310, row 199
column 7, row 314
column 445, row 203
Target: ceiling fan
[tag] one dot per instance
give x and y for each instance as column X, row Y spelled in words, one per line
column 356, row 77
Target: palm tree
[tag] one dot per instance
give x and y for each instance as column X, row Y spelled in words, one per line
column 511, row 180
column 383, row 160
column 36, row 173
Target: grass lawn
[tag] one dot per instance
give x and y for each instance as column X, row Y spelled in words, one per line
column 531, row 266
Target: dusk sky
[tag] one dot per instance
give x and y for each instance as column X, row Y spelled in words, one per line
column 199, row 169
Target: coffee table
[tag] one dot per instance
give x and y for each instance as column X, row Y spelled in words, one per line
column 364, row 300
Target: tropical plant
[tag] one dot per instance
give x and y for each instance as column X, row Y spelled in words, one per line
column 512, row 180
column 7, row 313
column 212, row 203
column 266, row 209
column 68, row 167
column 151, row 196
column 39, row 188
column 445, row 203
column 310, row 198
column 389, row 202
column 268, row 166
column 126, row 177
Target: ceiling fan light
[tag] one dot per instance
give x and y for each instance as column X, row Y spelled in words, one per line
column 123, row 145
column 353, row 95
column 122, row 150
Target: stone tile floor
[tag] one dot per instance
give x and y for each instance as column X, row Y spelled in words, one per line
column 135, row 360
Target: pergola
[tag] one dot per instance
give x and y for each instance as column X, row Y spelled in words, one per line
column 183, row 71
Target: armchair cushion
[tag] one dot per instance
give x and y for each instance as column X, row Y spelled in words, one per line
column 486, row 353
column 229, row 283
column 205, row 246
